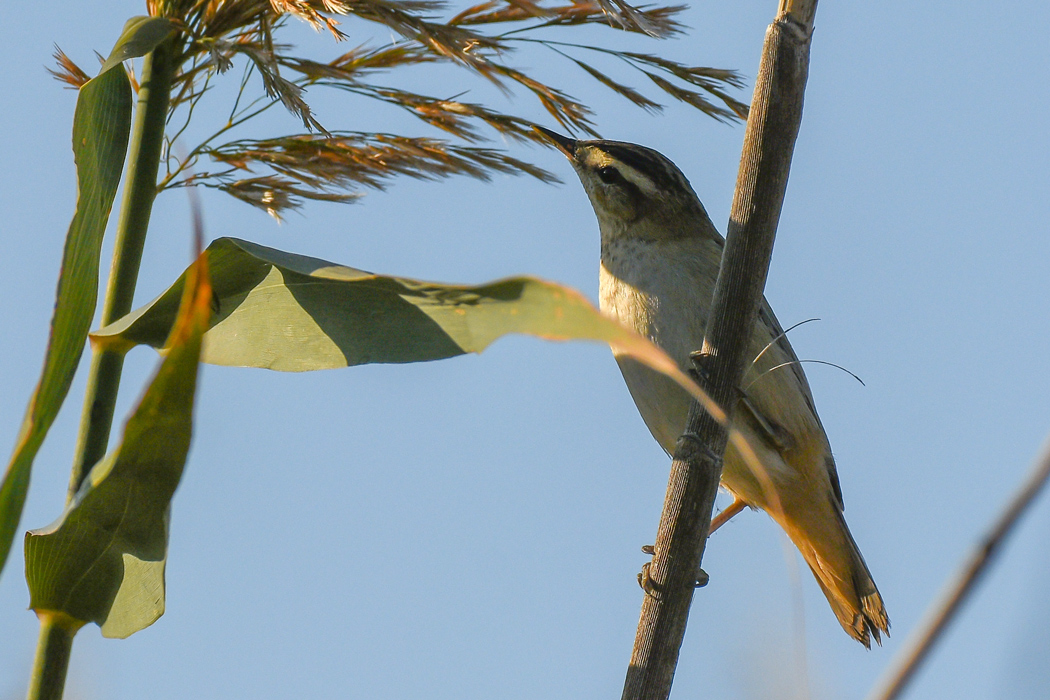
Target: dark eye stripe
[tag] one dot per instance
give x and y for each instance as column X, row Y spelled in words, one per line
column 611, row 176
column 644, row 160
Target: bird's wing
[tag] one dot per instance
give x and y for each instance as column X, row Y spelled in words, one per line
column 781, row 357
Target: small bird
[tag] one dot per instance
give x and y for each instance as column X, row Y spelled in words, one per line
column 660, row 255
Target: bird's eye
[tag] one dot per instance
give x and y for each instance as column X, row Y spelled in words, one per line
column 608, row 174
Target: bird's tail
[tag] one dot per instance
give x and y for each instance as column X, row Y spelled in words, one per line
column 826, row 544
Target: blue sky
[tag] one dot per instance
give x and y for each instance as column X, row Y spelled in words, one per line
column 471, row 528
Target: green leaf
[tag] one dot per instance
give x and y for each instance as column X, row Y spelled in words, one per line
column 101, row 126
column 103, row 560
column 140, row 36
column 293, row 313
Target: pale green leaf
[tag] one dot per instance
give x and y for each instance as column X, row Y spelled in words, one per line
column 101, row 126
column 103, row 560
column 100, row 137
column 293, row 313
column 140, row 36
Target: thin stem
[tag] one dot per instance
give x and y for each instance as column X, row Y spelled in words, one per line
column 248, row 70
column 140, row 188
column 194, row 99
column 52, row 656
column 188, row 78
column 918, row 645
column 196, row 152
column 203, row 179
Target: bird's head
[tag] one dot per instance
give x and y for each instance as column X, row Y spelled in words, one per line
column 635, row 191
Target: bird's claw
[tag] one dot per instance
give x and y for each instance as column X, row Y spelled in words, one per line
column 647, row 584
column 701, row 362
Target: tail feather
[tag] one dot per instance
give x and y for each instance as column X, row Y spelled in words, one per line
column 843, row 575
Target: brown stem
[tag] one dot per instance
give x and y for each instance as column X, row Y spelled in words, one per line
column 918, row 645
column 776, row 113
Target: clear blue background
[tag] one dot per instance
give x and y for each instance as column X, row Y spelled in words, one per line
column 471, row 528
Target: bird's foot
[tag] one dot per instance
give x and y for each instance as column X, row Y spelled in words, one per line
column 650, row 586
column 700, row 370
column 726, row 515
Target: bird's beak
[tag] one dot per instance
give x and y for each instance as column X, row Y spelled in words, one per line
column 564, row 143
